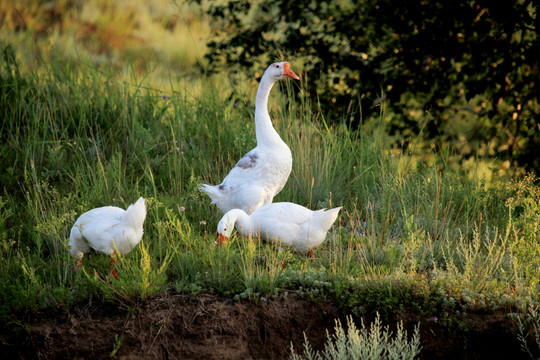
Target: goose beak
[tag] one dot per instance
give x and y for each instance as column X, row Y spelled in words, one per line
column 287, row 72
column 222, row 239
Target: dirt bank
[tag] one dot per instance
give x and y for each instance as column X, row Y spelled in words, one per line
column 208, row 327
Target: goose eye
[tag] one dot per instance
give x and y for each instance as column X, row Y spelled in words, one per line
column 277, row 66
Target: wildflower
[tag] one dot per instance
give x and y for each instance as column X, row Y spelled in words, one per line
column 164, row 97
column 202, row 222
column 182, row 209
column 235, row 105
column 435, row 319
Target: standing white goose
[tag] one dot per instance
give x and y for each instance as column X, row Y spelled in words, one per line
column 263, row 171
column 291, row 224
column 108, row 229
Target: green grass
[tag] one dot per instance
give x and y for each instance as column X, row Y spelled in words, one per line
column 413, row 232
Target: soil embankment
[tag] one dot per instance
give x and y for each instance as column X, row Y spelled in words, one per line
column 175, row 326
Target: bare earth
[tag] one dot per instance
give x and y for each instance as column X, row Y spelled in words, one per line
column 174, row 326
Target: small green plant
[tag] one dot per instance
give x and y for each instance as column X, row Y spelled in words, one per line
column 529, row 325
column 377, row 342
column 118, row 340
column 139, row 276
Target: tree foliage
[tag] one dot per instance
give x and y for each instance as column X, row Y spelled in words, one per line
column 461, row 72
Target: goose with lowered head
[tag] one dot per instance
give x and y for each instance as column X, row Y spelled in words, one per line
column 262, row 172
column 108, row 229
column 284, row 222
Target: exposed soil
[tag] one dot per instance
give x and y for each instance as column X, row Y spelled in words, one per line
column 208, row 327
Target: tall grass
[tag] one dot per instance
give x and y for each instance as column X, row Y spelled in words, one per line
column 73, row 138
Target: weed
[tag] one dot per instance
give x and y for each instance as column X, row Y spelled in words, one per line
column 118, row 340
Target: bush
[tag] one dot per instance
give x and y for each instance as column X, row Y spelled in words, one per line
column 375, row 343
column 456, row 71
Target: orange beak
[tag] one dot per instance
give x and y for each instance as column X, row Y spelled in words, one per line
column 287, row 72
column 222, row 239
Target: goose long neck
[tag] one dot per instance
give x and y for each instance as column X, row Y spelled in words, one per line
column 242, row 221
column 266, row 134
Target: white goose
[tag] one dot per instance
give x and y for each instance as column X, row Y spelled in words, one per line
column 263, row 171
column 105, row 228
column 291, row 224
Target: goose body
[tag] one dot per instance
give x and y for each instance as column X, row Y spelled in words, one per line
column 284, row 222
column 262, row 172
column 108, row 229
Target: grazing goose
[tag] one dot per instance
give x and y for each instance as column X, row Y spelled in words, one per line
column 291, row 224
column 101, row 227
column 263, row 171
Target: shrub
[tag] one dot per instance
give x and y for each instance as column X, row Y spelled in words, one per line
column 459, row 71
column 375, row 343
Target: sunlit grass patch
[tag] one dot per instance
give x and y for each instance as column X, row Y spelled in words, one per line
column 107, row 33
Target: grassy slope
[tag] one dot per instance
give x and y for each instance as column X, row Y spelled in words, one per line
column 420, row 235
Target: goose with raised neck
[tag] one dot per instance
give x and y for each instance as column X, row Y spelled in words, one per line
column 262, row 172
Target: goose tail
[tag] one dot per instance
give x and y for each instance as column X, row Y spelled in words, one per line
column 135, row 214
column 212, row 192
column 327, row 218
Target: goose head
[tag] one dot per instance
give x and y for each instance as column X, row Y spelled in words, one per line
column 227, row 222
column 225, row 228
column 280, row 70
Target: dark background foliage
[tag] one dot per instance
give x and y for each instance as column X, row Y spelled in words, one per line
column 459, row 73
